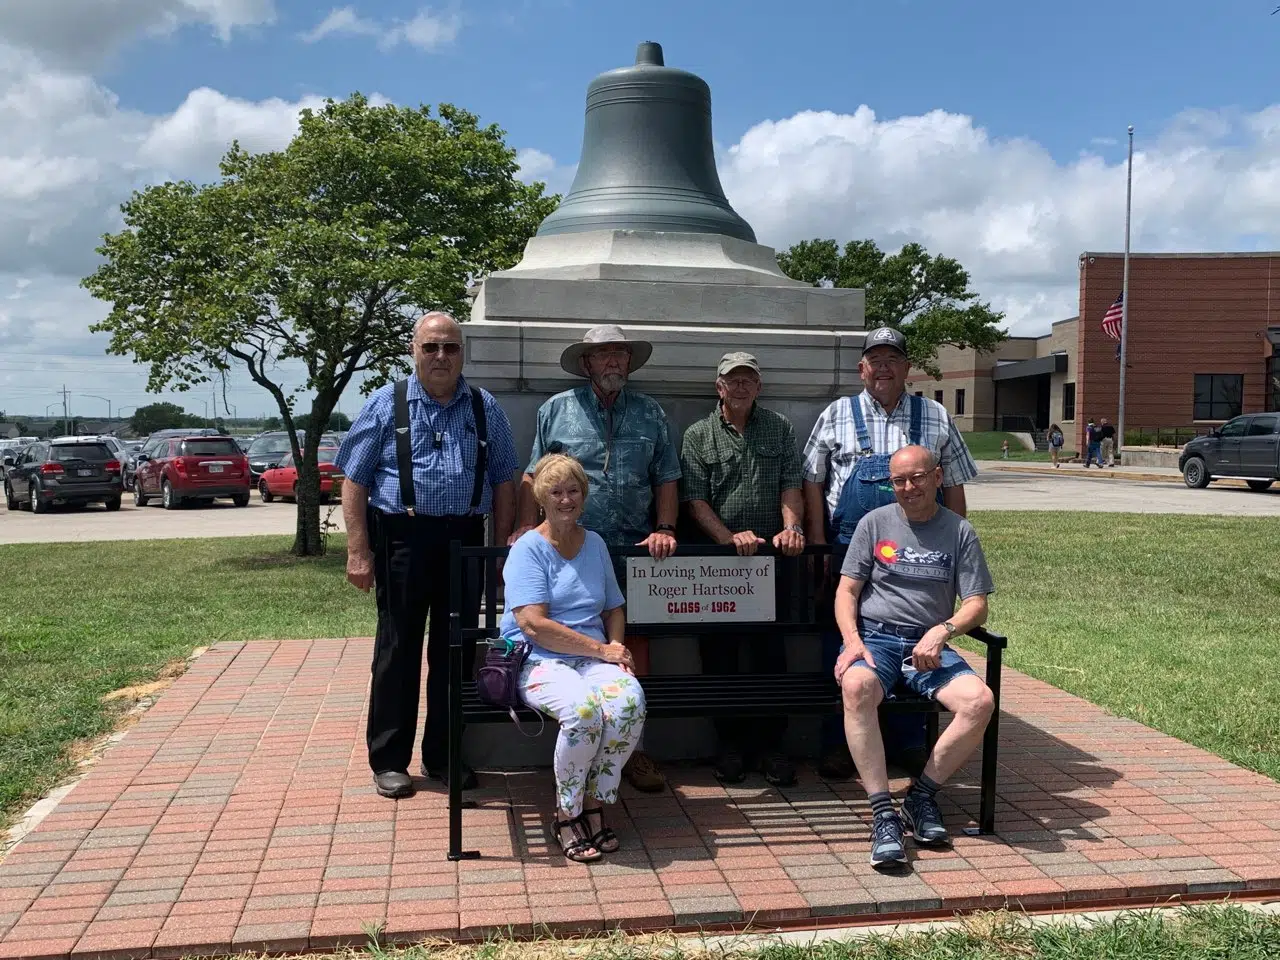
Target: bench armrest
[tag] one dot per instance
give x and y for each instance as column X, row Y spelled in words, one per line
column 989, row 637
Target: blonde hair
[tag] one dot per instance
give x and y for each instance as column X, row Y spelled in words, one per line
column 556, row 468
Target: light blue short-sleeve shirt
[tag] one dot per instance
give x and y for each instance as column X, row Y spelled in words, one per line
column 577, row 592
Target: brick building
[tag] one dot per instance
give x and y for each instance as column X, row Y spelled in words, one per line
column 1203, row 333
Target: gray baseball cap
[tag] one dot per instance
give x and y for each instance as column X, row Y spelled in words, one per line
column 886, row 337
column 731, row 361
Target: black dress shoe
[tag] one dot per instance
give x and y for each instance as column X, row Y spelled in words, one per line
column 778, row 770
column 441, row 773
column 393, row 784
column 730, row 766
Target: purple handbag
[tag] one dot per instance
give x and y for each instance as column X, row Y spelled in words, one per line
column 498, row 679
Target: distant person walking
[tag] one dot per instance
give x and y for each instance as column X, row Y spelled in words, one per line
column 1056, row 440
column 1106, row 443
column 1004, row 450
column 1093, row 445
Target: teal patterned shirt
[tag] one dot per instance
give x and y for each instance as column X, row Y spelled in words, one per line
column 625, row 450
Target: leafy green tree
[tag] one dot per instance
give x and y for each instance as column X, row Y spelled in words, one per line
column 158, row 416
column 926, row 297
column 315, row 257
column 272, row 423
column 337, row 421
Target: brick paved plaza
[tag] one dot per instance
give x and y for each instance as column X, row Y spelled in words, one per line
column 238, row 814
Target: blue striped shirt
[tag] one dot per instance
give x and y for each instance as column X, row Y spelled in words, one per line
column 443, row 478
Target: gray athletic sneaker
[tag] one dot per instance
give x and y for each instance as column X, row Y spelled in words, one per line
column 887, row 843
column 924, row 819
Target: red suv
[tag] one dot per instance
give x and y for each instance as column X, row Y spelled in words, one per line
column 191, row 468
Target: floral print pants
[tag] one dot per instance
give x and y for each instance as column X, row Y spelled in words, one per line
column 600, row 709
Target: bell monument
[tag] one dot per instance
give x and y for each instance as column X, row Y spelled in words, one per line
column 646, row 239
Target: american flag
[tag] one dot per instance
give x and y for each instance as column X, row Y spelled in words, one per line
column 1111, row 322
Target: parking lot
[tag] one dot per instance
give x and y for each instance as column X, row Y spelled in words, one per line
column 991, row 491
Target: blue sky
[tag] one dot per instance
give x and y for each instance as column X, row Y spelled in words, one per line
column 993, row 131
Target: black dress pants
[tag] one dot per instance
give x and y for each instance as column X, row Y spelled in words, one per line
column 411, row 580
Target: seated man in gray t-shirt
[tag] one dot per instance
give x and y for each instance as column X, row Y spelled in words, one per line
column 907, row 565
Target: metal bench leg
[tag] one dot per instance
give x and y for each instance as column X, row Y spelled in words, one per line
column 455, row 706
column 990, row 749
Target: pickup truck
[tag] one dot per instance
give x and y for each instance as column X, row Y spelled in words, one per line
column 1244, row 448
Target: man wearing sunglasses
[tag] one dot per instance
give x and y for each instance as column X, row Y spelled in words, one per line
column 906, row 567
column 457, row 443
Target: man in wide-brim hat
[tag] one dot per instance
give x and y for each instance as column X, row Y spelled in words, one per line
column 623, row 441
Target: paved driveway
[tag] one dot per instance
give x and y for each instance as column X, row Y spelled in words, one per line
column 993, row 490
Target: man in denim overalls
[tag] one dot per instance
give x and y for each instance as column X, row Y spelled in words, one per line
column 846, row 475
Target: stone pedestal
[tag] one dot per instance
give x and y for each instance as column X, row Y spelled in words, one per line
column 695, row 297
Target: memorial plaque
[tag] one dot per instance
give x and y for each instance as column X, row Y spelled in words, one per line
column 700, row 589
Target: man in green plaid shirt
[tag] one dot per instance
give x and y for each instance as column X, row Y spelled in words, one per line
column 741, row 485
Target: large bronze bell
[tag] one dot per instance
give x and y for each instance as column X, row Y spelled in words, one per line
column 647, row 161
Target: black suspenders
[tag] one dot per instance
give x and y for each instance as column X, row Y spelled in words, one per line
column 404, row 447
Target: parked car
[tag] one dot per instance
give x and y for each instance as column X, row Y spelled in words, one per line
column 178, row 469
column 62, row 470
column 282, row 481
column 1244, row 448
column 269, row 449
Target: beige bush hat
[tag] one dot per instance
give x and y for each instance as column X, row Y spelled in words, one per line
column 641, row 350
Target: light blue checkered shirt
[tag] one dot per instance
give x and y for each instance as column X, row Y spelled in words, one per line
column 442, row 479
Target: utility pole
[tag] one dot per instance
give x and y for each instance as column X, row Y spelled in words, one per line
column 66, row 416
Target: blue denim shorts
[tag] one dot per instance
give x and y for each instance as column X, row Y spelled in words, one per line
column 889, row 650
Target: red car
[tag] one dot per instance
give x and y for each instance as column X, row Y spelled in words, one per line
column 178, row 469
column 282, row 479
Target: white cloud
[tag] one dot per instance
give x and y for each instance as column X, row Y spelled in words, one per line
column 425, row 30
column 192, row 138
column 84, row 32
column 1006, row 209
column 342, row 21
column 536, row 165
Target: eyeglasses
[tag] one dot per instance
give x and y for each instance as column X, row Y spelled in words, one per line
column 431, row 348
column 884, row 362
column 740, row 383
column 916, row 480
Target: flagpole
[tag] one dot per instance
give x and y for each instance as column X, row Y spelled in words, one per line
column 1124, row 304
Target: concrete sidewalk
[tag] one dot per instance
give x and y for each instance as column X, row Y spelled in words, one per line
column 1078, row 470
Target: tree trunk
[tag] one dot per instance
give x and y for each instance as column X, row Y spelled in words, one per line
column 308, row 538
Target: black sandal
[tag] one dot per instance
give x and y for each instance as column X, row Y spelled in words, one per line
column 576, row 849
column 604, row 839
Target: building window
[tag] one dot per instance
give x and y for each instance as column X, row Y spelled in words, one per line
column 1219, row 396
column 919, row 393
column 959, row 403
column 1068, row 401
column 1273, row 382
column 937, row 396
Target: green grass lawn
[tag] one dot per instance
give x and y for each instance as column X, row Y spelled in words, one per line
column 986, row 446
column 1197, row 933
column 1169, row 620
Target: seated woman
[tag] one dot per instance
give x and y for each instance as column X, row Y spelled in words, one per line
column 563, row 596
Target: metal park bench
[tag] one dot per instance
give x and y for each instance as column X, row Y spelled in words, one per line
column 698, row 695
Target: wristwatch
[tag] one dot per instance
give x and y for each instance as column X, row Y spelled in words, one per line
column 950, row 628
column 794, row 528
column 665, row 528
